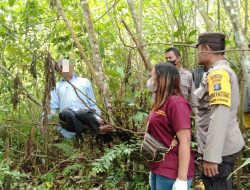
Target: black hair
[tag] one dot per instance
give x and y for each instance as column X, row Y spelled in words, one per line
column 175, row 50
column 168, row 80
column 217, row 47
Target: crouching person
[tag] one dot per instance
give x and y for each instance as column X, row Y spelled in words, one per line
column 74, row 99
column 171, row 162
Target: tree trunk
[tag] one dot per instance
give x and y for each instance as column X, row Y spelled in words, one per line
column 232, row 7
column 95, row 51
column 137, row 19
column 218, row 14
column 138, row 46
column 246, row 17
column 208, row 21
column 101, row 84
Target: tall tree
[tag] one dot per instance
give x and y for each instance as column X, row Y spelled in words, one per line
column 137, row 19
column 201, row 8
column 95, row 67
column 97, row 61
column 232, row 9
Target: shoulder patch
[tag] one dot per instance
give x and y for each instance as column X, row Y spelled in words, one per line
column 219, row 87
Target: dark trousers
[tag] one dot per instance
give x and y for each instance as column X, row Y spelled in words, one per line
column 79, row 121
column 220, row 181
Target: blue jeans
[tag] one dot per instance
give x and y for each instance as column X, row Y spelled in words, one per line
column 158, row 182
column 66, row 134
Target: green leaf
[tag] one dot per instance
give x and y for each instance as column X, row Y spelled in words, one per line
column 140, row 116
column 129, row 100
column 190, row 42
column 177, row 33
column 112, row 73
column 11, row 2
column 120, row 71
column 247, row 162
column 193, row 32
column 184, row 27
column 106, row 166
column 67, row 149
column 227, row 41
column 71, row 169
column 3, row 109
column 50, row 176
column 64, row 2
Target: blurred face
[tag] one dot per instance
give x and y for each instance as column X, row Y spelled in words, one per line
column 65, row 67
column 172, row 58
column 204, row 55
column 153, row 74
column 151, row 83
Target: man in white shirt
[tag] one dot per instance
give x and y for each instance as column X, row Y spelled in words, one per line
column 74, row 99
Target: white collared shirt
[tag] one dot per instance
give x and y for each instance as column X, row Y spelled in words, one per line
column 64, row 96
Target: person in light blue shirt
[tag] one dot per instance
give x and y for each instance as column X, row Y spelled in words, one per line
column 74, row 99
column 65, row 96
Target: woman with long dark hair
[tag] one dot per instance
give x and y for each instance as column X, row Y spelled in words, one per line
column 170, row 119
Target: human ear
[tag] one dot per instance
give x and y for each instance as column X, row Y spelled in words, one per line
column 207, row 49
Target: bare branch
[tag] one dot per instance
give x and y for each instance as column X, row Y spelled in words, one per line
column 138, row 46
column 21, row 86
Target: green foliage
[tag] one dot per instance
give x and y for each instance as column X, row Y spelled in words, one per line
column 118, row 163
column 140, row 116
column 104, row 163
column 11, row 2
column 30, row 28
column 139, row 183
column 50, row 177
column 244, row 164
column 9, row 175
column 71, row 169
column 67, row 149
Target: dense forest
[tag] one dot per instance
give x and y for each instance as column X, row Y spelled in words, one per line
column 115, row 44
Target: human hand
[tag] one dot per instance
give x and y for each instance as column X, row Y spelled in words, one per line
column 180, row 185
column 210, row 169
column 104, row 129
column 102, row 122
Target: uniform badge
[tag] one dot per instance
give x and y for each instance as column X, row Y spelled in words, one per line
column 217, row 87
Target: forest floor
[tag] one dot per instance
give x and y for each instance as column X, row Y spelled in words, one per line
column 88, row 163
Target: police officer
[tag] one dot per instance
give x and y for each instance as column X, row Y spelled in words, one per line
column 173, row 56
column 219, row 137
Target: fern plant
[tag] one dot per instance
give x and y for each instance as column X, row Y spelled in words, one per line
column 120, row 166
column 8, row 176
column 67, row 149
column 104, row 163
column 72, row 169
